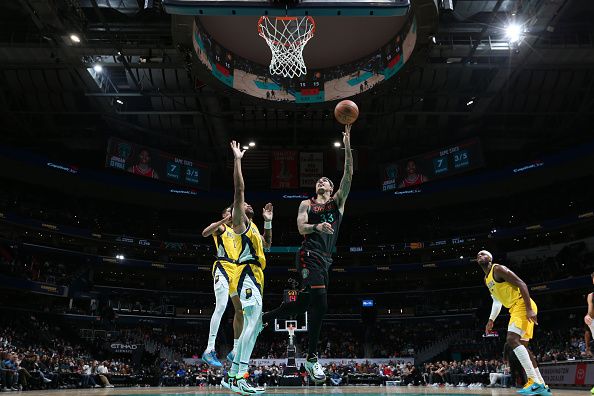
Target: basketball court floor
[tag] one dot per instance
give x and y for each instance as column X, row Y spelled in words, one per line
column 350, row 390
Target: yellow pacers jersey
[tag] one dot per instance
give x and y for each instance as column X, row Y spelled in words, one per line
column 251, row 261
column 228, row 245
column 505, row 292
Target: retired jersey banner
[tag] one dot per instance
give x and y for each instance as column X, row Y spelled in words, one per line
column 311, row 168
column 284, row 169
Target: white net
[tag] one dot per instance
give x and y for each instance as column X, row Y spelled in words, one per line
column 286, row 37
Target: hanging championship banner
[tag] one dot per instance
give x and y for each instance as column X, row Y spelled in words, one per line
column 284, row 169
column 311, row 168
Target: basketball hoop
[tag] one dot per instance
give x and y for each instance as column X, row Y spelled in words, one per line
column 291, row 330
column 286, row 37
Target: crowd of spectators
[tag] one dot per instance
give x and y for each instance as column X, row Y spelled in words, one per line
column 34, row 355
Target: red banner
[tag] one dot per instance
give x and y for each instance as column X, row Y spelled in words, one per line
column 284, row 169
column 580, row 374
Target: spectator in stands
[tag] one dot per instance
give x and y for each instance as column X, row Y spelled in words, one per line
column 9, row 375
column 103, row 374
column 335, row 377
column 87, row 378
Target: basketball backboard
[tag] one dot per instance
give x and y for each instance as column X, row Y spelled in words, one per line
column 300, row 8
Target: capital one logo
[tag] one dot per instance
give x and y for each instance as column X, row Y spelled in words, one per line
column 580, row 373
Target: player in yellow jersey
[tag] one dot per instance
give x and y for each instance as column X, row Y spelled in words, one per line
column 223, row 270
column 508, row 290
column 249, row 277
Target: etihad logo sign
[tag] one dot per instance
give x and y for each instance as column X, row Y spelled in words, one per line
column 131, row 347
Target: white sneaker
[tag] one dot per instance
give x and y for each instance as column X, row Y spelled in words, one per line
column 228, row 382
column 247, row 387
column 315, row 370
column 109, row 386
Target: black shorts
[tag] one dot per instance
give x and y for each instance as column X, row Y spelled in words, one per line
column 312, row 268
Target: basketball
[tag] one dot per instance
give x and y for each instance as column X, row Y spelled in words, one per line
column 346, row 112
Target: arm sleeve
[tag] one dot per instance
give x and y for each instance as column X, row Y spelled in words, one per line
column 495, row 309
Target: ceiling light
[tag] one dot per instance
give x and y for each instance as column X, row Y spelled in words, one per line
column 74, row 38
column 119, row 101
column 513, row 32
column 252, row 144
column 245, row 147
column 98, row 68
column 336, row 144
column 471, row 101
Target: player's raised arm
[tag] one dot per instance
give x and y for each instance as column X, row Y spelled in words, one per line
column 216, row 228
column 502, row 272
column 267, row 213
column 347, row 176
column 238, row 215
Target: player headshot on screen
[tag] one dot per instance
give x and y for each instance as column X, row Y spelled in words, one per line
column 413, row 178
column 143, row 165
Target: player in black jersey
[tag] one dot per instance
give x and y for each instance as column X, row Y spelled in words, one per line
column 318, row 220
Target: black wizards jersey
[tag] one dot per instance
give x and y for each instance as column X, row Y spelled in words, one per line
column 322, row 213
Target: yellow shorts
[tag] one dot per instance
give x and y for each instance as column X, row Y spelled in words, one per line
column 228, row 271
column 518, row 323
column 248, row 283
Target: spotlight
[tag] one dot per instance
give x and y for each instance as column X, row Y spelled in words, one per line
column 119, row 101
column 120, row 256
column 513, row 32
column 98, row 68
column 336, row 144
column 471, row 101
column 74, row 38
column 245, row 147
column 252, row 144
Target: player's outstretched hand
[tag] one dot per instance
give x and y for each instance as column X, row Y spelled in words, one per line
column 325, row 228
column 588, row 320
column 346, row 135
column 489, row 326
column 237, row 151
column 531, row 316
column 267, row 212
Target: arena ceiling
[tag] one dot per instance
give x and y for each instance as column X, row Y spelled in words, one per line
column 539, row 97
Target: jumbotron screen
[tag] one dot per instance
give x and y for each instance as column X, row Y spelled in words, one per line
column 155, row 164
column 448, row 161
